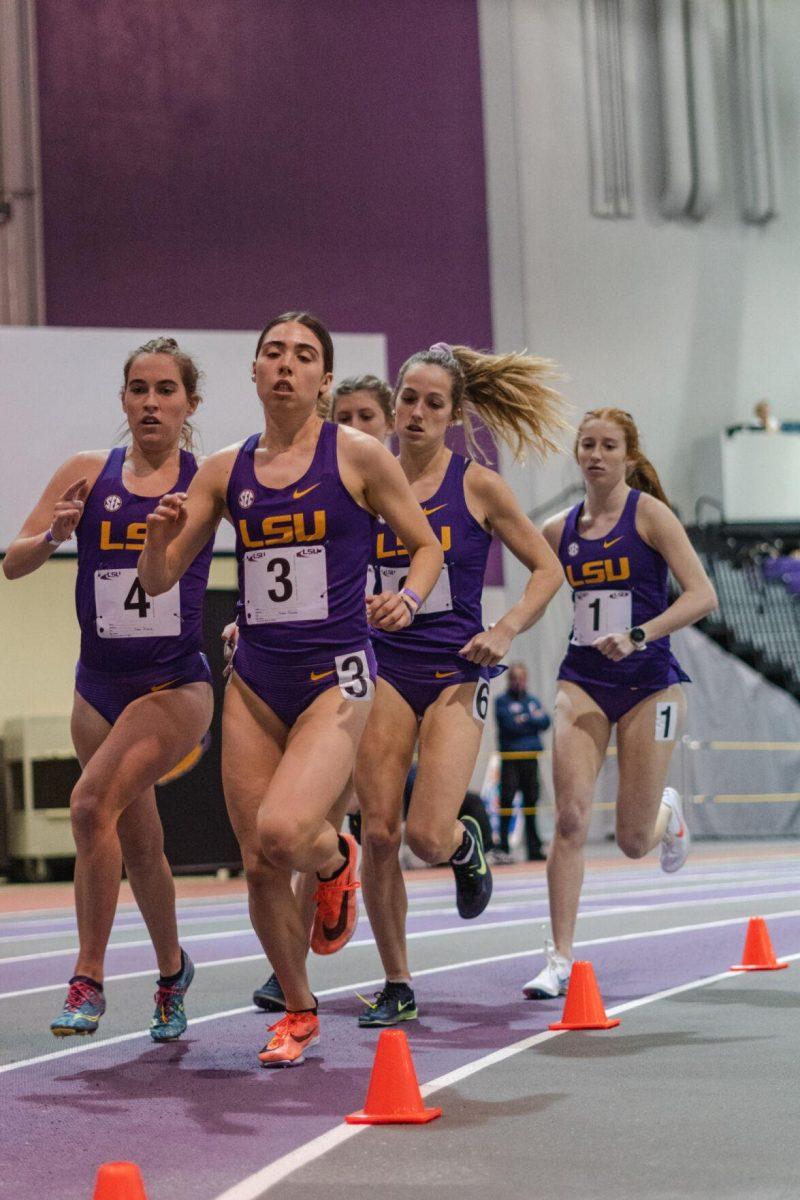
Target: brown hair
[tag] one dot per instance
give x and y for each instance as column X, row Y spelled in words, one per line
column 642, row 474
column 366, row 383
column 189, row 372
column 505, row 391
column 311, row 322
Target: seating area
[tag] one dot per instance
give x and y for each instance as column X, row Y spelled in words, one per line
column 758, row 585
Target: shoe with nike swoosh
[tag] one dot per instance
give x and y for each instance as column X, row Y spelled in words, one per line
column 677, row 840
column 394, row 1003
column 553, row 980
column 291, row 1037
column 337, row 911
column 83, row 1008
column 270, row 995
column 169, row 1019
column 473, row 877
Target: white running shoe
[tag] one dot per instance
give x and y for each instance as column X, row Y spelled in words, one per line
column 553, row 979
column 677, row 840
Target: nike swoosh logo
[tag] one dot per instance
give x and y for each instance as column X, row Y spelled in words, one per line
column 159, row 687
column 444, row 674
column 476, row 833
column 428, row 511
column 316, row 675
column 338, row 929
column 402, row 1007
column 302, row 1037
column 613, row 542
column 298, row 493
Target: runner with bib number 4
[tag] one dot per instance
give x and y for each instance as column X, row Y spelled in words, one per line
column 301, row 496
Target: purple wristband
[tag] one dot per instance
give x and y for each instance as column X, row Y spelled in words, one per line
column 412, row 596
column 50, row 540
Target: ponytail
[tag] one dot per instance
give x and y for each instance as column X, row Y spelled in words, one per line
column 642, row 474
column 505, row 392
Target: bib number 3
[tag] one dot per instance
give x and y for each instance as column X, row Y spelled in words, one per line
column 352, row 671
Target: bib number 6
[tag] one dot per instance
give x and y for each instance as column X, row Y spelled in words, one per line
column 353, row 673
column 480, row 703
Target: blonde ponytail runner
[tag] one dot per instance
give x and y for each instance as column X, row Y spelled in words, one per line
column 642, row 475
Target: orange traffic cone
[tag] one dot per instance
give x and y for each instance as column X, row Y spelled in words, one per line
column 758, row 953
column 583, row 1008
column 393, row 1097
column 119, row 1181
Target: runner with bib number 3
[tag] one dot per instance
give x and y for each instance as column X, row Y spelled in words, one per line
column 433, row 677
column 301, row 496
column 616, row 548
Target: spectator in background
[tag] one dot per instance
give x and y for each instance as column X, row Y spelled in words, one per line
column 520, row 719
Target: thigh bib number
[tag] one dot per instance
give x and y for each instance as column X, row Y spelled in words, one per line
column 124, row 610
column 290, row 584
column 352, row 671
column 599, row 613
column 440, row 598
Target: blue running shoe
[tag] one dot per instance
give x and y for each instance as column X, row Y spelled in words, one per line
column 473, row 877
column 169, row 1019
column 83, row 1008
column 270, row 995
column 394, row 1003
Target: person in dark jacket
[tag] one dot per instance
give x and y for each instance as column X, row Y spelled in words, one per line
column 520, row 719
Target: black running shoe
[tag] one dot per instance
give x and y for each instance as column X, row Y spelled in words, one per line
column 270, row 995
column 393, row 1003
column 473, row 878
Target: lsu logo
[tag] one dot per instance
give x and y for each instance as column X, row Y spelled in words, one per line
column 112, row 503
column 132, row 535
column 385, row 549
column 602, row 570
column 284, row 530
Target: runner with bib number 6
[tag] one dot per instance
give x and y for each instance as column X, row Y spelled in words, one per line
column 301, row 496
column 616, row 548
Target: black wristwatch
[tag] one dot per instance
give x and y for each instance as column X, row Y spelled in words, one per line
column 638, row 637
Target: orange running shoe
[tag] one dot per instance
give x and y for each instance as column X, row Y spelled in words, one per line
column 337, row 912
column 292, row 1036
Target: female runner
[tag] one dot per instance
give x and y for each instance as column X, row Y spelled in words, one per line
column 617, row 547
column 300, row 496
column 433, row 678
column 142, row 686
column 362, row 402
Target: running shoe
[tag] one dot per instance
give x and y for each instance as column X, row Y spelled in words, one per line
column 392, row 1004
column 473, row 877
column 553, row 979
column 270, row 996
column 83, row 1008
column 337, row 911
column 292, row 1036
column 169, row 1019
column 677, row 840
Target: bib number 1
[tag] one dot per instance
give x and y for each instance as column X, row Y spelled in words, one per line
column 599, row 613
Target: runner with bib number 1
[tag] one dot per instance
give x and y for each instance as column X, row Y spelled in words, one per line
column 301, row 496
column 433, row 678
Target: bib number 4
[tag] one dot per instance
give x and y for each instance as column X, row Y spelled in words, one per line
column 125, row 610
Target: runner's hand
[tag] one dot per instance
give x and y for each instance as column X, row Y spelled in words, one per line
column 389, row 611
column 615, row 646
column 68, row 510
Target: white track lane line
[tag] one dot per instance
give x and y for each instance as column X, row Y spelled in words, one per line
column 591, row 914
column 262, row 1181
column 366, row 983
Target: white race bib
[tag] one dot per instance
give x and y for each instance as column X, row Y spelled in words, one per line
column 125, row 610
column 440, row 599
column 599, row 613
column 289, row 583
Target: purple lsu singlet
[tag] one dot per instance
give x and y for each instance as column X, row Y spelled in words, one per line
column 451, row 614
column 303, row 552
column 122, row 628
column 617, row 582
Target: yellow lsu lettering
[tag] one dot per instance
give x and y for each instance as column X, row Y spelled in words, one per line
column 601, row 571
column 132, row 538
column 399, row 550
column 283, row 529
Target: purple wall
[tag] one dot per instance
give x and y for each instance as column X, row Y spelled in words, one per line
column 209, row 164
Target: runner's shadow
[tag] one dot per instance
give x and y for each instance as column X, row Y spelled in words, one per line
column 465, row 1113
column 223, row 1091
column 466, row 1026
column 612, row 1044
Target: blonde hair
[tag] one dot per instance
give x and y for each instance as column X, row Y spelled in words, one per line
column 190, row 378
column 642, row 474
column 380, row 391
column 506, row 392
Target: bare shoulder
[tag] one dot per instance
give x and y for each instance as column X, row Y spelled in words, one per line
column 361, row 450
column 86, row 464
column 484, row 482
column 654, row 518
column 553, row 528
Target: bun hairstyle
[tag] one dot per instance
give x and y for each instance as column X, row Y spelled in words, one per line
column 506, row 392
column 189, row 372
column 378, row 389
column 642, row 474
